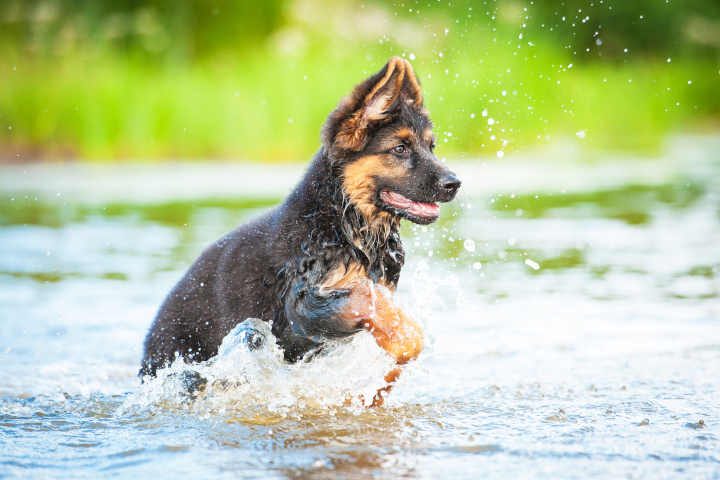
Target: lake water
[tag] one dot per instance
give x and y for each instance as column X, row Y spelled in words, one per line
column 571, row 311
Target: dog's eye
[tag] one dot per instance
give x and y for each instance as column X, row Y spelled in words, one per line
column 432, row 146
column 400, row 149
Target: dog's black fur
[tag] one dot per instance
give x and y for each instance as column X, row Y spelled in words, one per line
column 284, row 266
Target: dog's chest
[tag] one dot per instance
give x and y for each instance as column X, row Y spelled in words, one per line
column 388, row 262
column 380, row 265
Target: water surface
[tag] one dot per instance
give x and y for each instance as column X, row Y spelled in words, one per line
column 572, row 314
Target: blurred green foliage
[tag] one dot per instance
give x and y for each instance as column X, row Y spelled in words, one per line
column 255, row 79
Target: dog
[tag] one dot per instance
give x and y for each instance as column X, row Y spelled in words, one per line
column 325, row 263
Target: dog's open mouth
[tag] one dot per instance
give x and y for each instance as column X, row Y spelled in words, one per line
column 425, row 211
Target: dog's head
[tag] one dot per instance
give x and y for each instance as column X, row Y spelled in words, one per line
column 380, row 142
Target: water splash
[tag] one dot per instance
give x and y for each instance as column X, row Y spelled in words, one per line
column 250, row 377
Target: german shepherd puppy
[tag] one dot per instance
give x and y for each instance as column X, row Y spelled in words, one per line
column 325, row 263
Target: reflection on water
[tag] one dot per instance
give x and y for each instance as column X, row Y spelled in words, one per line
column 576, row 334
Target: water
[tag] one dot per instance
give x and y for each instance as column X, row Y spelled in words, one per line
column 601, row 363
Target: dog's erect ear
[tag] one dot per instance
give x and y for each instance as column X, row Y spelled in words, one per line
column 411, row 93
column 383, row 94
column 371, row 103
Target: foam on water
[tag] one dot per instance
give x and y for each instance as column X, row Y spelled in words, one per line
column 249, row 375
column 601, row 364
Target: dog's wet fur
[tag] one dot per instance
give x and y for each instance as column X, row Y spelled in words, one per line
column 325, row 263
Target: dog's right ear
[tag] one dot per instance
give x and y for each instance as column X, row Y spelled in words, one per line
column 369, row 104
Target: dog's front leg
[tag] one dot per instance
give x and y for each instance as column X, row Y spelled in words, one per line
column 363, row 304
column 394, row 331
column 322, row 314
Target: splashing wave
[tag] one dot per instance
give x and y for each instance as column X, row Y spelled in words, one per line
column 249, row 375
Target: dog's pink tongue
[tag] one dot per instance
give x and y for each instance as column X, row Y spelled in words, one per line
column 397, row 200
column 424, row 209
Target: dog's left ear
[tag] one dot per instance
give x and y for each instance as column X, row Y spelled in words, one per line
column 411, row 93
column 370, row 104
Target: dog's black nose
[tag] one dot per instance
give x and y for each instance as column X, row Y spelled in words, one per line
column 450, row 182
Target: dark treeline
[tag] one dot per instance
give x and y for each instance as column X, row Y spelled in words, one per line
column 196, row 29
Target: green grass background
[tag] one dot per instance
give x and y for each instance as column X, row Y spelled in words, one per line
column 122, row 80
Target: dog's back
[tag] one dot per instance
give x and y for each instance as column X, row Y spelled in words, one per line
column 206, row 303
column 235, row 278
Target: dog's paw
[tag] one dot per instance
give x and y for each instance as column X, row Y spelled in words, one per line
column 394, row 331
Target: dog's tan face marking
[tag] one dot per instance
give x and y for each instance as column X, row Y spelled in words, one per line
column 360, row 177
column 360, row 186
column 406, row 135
